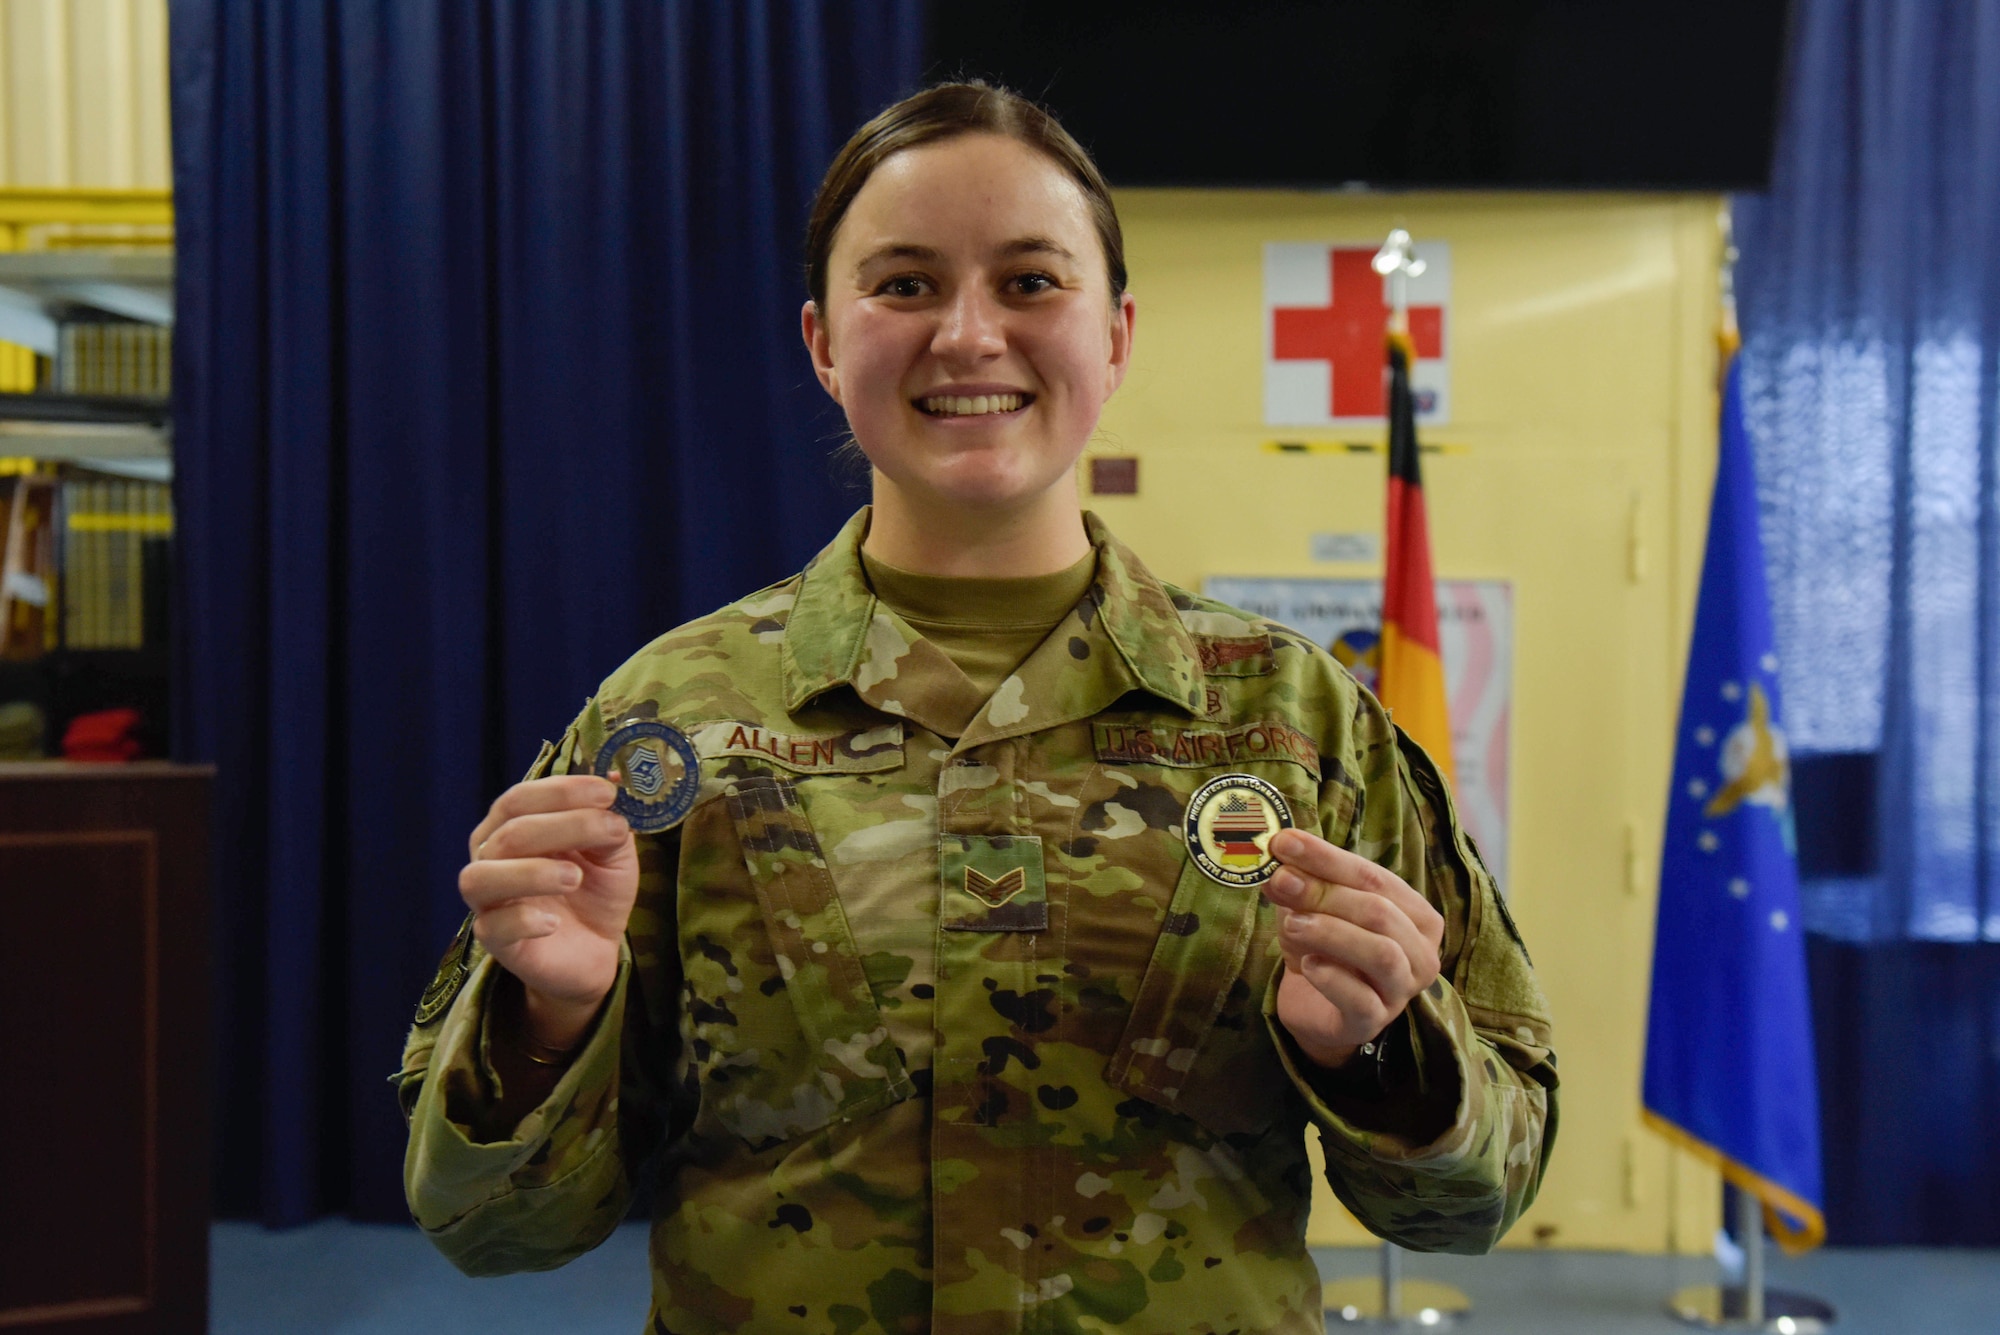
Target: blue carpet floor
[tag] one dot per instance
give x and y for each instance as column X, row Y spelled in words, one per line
column 337, row 1278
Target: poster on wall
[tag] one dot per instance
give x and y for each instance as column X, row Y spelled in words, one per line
column 1476, row 633
column 1325, row 308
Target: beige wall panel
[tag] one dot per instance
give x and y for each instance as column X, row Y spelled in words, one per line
column 1581, row 444
column 7, row 83
column 102, row 97
column 37, row 92
column 83, row 93
column 152, row 161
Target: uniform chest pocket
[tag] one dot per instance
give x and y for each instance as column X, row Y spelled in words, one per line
column 1194, row 1041
column 805, row 1046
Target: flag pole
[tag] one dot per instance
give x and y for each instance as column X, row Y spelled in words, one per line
column 1390, row 1300
column 1409, row 675
column 1750, row 1228
column 1751, row 1304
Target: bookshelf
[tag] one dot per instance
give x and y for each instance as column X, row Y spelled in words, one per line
column 86, row 467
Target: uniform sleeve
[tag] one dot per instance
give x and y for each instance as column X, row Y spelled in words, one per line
column 553, row 1186
column 1443, row 1145
column 496, row 1200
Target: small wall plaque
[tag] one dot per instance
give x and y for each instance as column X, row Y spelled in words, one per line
column 1114, row 475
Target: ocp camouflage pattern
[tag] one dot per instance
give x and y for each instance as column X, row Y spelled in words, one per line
column 924, row 1034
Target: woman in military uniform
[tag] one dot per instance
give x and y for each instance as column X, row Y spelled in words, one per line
column 977, row 922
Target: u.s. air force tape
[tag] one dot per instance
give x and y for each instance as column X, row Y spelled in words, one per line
column 1230, row 823
column 658, row 772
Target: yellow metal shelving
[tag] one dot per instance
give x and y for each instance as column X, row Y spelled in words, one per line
column 65, row 218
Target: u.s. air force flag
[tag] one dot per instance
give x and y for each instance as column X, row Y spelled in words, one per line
column 1729, row 1050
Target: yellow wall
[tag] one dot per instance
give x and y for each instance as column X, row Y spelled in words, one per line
column 83, row 104
column 1582, row 387
column 83, row 93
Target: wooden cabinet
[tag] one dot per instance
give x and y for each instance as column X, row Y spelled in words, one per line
column 104, row 1039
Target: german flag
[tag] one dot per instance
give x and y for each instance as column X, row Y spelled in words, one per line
column 1410, row 680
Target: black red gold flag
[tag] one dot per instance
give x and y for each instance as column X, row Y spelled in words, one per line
column 1411, row 676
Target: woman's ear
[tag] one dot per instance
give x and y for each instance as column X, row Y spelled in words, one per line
column 1121, row 340
column 819, row 345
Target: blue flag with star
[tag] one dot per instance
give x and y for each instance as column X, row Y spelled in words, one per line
column 1729, row 1048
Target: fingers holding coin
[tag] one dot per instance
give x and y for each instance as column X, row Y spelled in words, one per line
column 1359, row 943
column 549, row 796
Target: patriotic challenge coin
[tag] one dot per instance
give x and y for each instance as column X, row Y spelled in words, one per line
column 659, row 774
column 1230, row 823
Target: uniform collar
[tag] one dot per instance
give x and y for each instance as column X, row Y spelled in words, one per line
column 1125, row 634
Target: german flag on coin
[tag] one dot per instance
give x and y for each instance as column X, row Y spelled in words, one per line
column 1230, row 823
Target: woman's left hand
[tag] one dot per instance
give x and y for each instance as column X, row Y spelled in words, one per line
column 1359, row 944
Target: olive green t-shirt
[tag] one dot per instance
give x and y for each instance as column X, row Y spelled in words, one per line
column 985, row 626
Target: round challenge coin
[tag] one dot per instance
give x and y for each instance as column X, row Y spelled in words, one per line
column 1230, row 823
column 659, row 774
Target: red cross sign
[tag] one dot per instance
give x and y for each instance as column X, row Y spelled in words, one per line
column 1328, row 312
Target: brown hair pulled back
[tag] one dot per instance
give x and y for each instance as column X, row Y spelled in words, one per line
column 945, row 111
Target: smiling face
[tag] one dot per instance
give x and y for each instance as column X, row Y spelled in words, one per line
column 969, row 330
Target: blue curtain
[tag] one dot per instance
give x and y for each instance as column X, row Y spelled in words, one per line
column 1869, row 286
column 487, row 373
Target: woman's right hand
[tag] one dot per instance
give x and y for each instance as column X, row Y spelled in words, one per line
column 551, row 884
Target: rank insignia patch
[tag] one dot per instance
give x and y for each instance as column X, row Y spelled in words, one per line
column 995, row 891
column 659, row 774
column 1230, row 823
column 992, row 883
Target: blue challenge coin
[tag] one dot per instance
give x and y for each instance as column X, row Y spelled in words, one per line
column 659, row 774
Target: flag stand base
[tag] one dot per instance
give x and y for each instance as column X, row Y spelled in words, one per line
column 1392, row 1301
column 1715, row 1307
column 1750, row 1305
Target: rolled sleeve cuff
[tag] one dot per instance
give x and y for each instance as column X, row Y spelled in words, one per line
column 1422, row 1115
column 446, row 1174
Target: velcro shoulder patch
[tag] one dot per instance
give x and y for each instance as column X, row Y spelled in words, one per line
column 1201, row 748
column 1235, row 655
column 868, row 751
column 452, row 971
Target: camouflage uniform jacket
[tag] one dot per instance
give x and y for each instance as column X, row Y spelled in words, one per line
column 1067, row 1104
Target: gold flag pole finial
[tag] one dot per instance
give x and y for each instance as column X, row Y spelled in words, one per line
column 1397, row 261
column 1727, row 334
